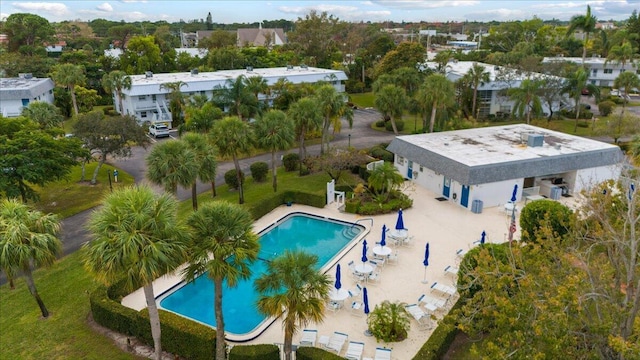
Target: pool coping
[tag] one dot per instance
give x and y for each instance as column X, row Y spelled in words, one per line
column 267, row 322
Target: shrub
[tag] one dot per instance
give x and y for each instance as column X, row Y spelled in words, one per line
column 606, row 107
column 380, row 123
column 257, row 352
column 399, row 125
column 440, row 340
column 314, row 353
column 259, row 171
column 389, row 322
column 291, row 162
column 231, row 178
column 381, row 153
column 536, row 213
column 107, row 110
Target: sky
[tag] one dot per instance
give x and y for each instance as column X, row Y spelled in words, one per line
column 355, row 11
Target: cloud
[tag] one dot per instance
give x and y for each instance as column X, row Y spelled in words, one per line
column 4, row 16
column 498, row 14
column 133, row 1
column 421, row 4
column 105, row 7
column 56, row 9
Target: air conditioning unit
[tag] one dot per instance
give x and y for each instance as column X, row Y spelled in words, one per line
column 148, row 74
column 249, row 68
column 194, row 72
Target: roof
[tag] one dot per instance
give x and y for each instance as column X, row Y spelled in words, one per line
column 206, row 81
column 490, row 154
column 22, row 88
column 258, row 37
column 588, row 61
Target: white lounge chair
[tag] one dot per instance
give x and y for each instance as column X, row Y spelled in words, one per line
column 356, row 275
column 451, row 270
column 336, row 342
column 445, row 289
column 354, row 351
column 418, row 314
column 355, row 292
column 374, row 277
column 308, row 337
column 393, row 258
column 432, row 304
column 382, row 354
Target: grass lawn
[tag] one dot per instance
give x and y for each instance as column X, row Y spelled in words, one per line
column 363, row 100
column 65, row 334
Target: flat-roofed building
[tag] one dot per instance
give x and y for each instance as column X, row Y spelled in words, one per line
column 484, row 164
column 601, row 71
column 148, row 101
column 18, row 93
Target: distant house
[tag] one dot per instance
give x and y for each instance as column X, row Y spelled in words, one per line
column 484, row 164
column 261, row 37
column 149, row 102
column 17, row 93
column 601, row 71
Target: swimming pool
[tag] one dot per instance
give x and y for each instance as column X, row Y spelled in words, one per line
column 327, row 238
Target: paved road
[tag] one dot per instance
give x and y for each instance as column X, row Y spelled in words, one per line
column 74, row 233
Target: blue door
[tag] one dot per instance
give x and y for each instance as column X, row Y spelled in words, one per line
column 410, row 171
column 446, row 187
column 464, row 199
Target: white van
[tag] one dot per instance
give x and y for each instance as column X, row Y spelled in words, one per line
column 158, row 130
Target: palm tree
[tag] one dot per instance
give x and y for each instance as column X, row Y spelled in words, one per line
column 138, row 236
column 576, row 82
column 306, row 116
column 436, row 92
column 116, row 81
column 47, row 115
column 384, row 179
column 28, row 240
column 223, row 245
column 233, row 137
column 586, row 23
column 527, row 98
column 391, row 101
column 236, row 97
column 170, row 164
column 200, row 118
column 258, row 85
column 621, row 54
column 477, row 76
column 627, row 81
column 293, row 287
column 205, row 161
column 333, row 106
column 68, row 76
column 274, row 131
column 176, row 101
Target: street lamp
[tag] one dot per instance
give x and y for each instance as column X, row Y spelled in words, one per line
column 349, row 136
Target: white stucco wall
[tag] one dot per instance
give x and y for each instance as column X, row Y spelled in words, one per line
column 587, row 178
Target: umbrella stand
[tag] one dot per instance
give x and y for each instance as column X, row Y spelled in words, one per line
column 424, row 281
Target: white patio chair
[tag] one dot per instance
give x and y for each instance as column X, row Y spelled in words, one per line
column 445, row 289
column 382, row 354
column 393, row 258
column 432, row 304
column 374, row 277
column 308, row 337
column 356, row 275
column 419, row 315
column 336, row 342
column 451, row 270
column 354, row 351
column 357, row 308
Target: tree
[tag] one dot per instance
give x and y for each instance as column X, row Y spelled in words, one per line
column 526, row 98
column 142, row 54
column 87, row 98
column 138, row 236
column 384, row 179
column 109, row 136
column 258, row 85
column 576, row 82
column 333, row 106
column 587, row 24
column 622, row 54
column 315, row 36
column 237, row 97
column 32, row 156
column 44, row 114
column 115, row 82
column 551, row 93
column 218, row 39
column 233, row 137
column 274, row 131
column 205, row 160
column 306, row 116
column 391, row 101
column 544, row 215
column 170, row 164
column 627, row 81
column 121, row 34
column 336, row 161
column 293, row 287
column 176, row 101
column 28, row 240
column 436, row 92
column 223, row 245
column 68, row 76
column 27, row 30
column 200, row 117
column 476, row 76
column 407, row 54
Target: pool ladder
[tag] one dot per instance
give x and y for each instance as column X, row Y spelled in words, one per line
column 350, row 232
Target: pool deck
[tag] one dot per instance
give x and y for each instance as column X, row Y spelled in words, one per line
column 448, row 228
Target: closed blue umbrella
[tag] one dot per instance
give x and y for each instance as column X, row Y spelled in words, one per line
column 515, row 193
column 383, row 241
column 400, row 222
column 338, row 285
column 425, row 262
column 482, row 237
column 364, row 251
column 365, row 300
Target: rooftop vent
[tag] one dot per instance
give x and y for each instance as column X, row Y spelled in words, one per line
column 249, row 68
column 194, row 72
column 148, row 74
column 289, row 67
column 26, row 76
column 304, row 66
column 535, row 140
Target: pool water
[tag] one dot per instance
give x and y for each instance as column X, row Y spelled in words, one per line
column 319, row 236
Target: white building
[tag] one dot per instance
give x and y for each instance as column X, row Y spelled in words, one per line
column 492, row 95
column 17, row 93
column 601, row 71
column 484, row 164
column 148, row 100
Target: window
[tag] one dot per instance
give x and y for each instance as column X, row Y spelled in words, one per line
column 400, row 160
column 608, row 71
column 505, row 109
column 153, row 98
column 51, row 91
column 421, row 168
column 142, row 97
column 595, row 72
column 638, row 71
column 143, row 114
column 25, row 102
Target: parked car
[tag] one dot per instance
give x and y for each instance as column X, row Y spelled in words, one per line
column 158, row 130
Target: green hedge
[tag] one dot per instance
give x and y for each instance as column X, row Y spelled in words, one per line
column 180, row 336
column 255, row 352
column 441, row 338
column 314, row 353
